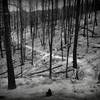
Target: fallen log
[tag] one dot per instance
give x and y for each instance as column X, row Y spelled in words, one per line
column 95, row 45
column 16, row 76
column 88, row 30
column 6, row 71
column 69, row 69
column 39, row 72
column 31, row 74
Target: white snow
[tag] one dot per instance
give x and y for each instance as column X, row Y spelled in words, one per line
column 37, row 87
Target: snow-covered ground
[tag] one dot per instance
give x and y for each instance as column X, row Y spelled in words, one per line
column 34, row 87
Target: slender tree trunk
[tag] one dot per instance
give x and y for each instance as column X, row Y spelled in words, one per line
column 21, row 37
column 68, row 48
column 17, row 26
column 30, row 17
column 61, row 45
column 13, row 42
column 33, row 34
column 1, row 28
column 84, row 25
column 95, row 12
column 95, row 16
column 43, row 23
column 1, row 46
column 51, row 42
column 76, row 36
column 64, row 20
column 87, row 7
column 7, row 37
column 56, row 7
column 69, row 22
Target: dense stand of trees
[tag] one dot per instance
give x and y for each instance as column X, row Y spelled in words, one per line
column 68, row 19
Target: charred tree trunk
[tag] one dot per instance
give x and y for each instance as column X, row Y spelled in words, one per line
column 51, row 42
column 7, row 37
column 31, row 32
column 17, row 27
column 61, row 45
column 76, row 36
column 1, row 46
column 64, row 18
column 95, row 16
column 21, row 36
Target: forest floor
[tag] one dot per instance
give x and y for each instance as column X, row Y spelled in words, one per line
column 35, row 81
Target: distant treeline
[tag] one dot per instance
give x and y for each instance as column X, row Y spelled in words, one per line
column 39, row 16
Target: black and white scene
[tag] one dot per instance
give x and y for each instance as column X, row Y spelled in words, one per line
column 49, row 49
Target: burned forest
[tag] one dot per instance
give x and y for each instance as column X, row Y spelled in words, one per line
column 49, row 49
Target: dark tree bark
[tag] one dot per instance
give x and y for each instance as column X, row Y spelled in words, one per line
column 21, row 36
column 51, row 40
column 43, row 24
column 1, row 46
column 95, row 16
column 87, row 7
column 76, row 35
column 1, row 28
column 7, row 37
column 69, row 32
column 95, row 11
column 31, row 32
column 56, row 8
column 61, row 45
column 18, row 26
column 64, row 18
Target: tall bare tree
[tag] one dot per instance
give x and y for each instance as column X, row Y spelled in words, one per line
column 77, row 16
column 21, row 36
column 7, row 41
column 51, row 37
column 31, row 32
